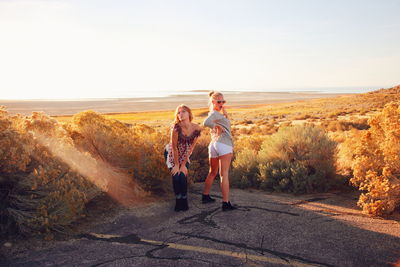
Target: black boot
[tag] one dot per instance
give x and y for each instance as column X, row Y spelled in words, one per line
column 185, row 205
column 226, row 206
column 206, row 199
column 178, row 204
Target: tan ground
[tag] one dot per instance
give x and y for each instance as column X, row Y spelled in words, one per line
column 70, row 107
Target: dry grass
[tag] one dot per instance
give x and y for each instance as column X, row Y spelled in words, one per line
column 161, row 118
column 37, row 153
column 314, row 110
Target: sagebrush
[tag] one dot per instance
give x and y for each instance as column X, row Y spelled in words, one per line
column 376, row 165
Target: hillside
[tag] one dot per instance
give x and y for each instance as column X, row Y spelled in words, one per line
column 51, row 168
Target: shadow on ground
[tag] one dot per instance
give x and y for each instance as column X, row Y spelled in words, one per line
column 266, row 230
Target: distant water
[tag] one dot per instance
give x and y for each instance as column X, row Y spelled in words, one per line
column 323, row 90
column 164, row 93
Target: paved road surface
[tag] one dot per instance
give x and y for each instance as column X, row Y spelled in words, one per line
column 267, row 230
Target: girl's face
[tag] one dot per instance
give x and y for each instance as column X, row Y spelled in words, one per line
column 182, row 114
column 218, row 102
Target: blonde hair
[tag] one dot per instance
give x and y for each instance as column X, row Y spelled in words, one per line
column 213, row 95
column 183, row 106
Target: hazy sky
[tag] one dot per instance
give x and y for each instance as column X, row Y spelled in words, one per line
column 57, row 49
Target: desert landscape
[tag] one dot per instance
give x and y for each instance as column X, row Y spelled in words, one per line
column 307, row 139
column 55, row 166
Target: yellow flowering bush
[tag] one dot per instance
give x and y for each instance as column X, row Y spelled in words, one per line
column 376, row 165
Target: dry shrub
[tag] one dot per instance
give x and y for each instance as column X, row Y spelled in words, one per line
column 199, row 165
column 262, row 122
column 302, row 117
column 347, row 143
column 202, row 114
column 269, row 129
column 376, row 166
column 333, row 126
column 297, row 159
column 255, row 130
column 49, row 171
column 137, row 150
column 39, row 192
column 246, row 122
column 246, row 142
column 342, row 125
column 244, row 131
column 262, row 130
column 359, row 124
column 337, row 114
column 15, row 147
column 150, row 170
column 285, row 124
column 109, row 140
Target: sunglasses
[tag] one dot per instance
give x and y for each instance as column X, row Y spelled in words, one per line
column 221, row 101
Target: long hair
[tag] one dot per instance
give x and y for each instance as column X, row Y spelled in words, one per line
column 176, row 119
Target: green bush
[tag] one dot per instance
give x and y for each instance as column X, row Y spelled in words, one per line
column 297, row 159
column 245, row 169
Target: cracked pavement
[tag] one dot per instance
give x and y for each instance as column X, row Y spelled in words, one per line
column 268, row 229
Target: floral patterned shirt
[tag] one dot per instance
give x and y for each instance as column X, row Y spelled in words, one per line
column 184, row 145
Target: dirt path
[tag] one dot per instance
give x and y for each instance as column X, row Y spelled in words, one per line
column 267, row 230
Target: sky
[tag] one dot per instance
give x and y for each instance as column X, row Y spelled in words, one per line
column 98, row 49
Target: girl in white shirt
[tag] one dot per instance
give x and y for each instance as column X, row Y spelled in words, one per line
column 220, row 149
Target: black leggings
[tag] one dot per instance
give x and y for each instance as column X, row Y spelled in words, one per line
column 179, row 182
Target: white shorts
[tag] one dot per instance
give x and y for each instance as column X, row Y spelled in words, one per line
column 216, row 149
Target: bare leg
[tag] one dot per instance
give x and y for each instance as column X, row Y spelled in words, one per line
column 211, row 175
column 225, row 163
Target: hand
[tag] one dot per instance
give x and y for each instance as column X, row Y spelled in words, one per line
column 184, row 170
column 223, row 109
column 175, row 169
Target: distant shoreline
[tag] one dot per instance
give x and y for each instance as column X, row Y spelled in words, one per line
column 126, row 105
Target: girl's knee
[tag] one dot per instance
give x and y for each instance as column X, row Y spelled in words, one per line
column 224, row 178
column 212, row 174
column 224, row 174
